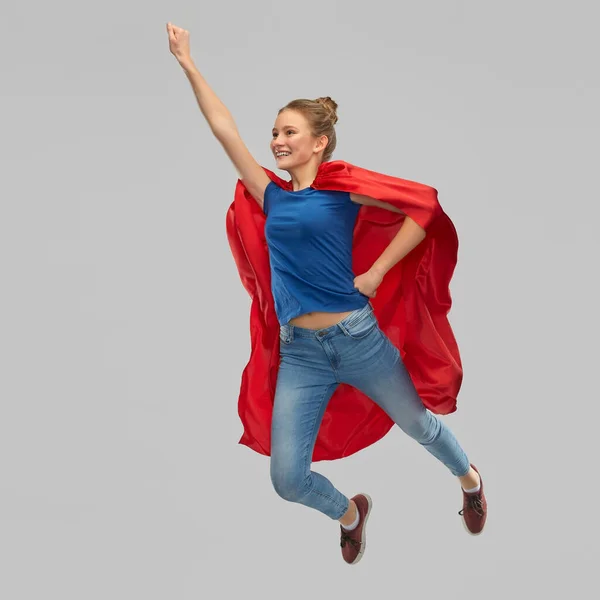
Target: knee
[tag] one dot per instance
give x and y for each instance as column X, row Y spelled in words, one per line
column 290, row 484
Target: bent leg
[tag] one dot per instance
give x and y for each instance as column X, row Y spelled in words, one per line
column 387, row 382
column 301, row 398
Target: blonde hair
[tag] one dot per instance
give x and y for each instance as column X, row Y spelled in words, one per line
column 321, row 115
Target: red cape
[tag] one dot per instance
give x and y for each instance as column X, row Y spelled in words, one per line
column 411, row 305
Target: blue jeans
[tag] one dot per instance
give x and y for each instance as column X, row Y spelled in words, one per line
column 313, row 363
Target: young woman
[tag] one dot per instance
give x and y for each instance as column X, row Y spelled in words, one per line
column 329, row 334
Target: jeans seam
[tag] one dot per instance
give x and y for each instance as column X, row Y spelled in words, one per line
column 387, row 340
column 334, row 502
column 307, row 458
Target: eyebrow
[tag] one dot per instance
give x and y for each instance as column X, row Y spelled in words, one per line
column 285, row 127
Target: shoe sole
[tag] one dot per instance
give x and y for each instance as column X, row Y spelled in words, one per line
column 363, row 535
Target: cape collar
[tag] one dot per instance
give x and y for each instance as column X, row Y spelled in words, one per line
column 326, row 172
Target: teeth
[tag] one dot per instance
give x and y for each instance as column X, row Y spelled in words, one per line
column 278, row 154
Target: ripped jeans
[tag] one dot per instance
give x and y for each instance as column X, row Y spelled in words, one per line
column 313, row 363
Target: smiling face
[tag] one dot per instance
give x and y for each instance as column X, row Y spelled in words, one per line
column 291, row 134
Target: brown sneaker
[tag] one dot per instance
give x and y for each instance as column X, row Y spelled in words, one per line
column 474, row 510
column 354, row 542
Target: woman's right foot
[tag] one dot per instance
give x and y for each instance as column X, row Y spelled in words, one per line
column 354, row 542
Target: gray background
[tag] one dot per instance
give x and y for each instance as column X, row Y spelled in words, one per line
column 124, row 326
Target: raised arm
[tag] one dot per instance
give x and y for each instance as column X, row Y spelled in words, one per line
column 218, row 117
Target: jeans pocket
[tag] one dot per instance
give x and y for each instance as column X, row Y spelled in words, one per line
column 361, row 328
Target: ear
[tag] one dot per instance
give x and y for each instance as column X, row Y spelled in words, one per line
column 322, row 143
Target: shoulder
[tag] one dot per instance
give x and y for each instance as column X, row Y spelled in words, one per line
column 368, row 201
column 270, row 196
column 272, row 188
column 360, row 199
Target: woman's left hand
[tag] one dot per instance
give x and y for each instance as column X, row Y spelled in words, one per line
column 368, row 282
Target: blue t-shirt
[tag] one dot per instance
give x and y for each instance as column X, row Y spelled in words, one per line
column 309, row 236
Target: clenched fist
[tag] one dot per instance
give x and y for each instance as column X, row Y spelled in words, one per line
column 368, row 282
column 179, row 43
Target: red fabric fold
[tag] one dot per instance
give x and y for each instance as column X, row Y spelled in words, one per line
column 411, row 305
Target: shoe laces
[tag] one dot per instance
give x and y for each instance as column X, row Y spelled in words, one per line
column 348, row 538
column 474, row 503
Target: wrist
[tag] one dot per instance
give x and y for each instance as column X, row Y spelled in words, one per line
column 187, row 64
column 379, row 269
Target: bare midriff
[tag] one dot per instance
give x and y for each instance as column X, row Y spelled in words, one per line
column 319, row 320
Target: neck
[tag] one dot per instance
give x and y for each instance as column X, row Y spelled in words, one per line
column 303, row 175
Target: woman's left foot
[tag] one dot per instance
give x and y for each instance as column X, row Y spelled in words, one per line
column 474, row 511
column 354, row 542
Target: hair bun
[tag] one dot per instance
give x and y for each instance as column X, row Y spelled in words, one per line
column 330, row 105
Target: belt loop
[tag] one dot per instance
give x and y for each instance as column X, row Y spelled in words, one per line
column 291, row 333
column 341, row 326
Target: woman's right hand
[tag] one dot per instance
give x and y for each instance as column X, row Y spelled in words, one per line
column 179, row 43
